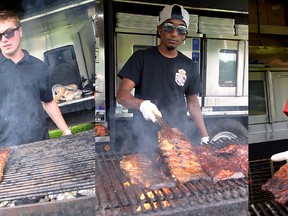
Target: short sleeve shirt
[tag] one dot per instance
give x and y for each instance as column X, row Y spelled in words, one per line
column 164, row 81
column 24, row 86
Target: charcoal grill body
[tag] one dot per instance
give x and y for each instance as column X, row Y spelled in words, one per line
column 80, row 206
column 197, row 197
column 49, row 167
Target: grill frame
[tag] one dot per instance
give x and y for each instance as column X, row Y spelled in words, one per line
column 73, row 207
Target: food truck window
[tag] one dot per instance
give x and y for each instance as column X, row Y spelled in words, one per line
column 257, row 105
column 227, row 68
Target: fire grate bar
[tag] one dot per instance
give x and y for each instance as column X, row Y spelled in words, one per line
column 50, row 167
column 267, row 208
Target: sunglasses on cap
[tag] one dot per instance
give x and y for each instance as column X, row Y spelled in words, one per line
column 168, row 27
column 9, row 33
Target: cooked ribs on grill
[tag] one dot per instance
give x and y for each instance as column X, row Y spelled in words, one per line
column 278, row 185
column 4, row 155
column 179, row 155
column 238, row 154
column 140, row 169
column 217, row 166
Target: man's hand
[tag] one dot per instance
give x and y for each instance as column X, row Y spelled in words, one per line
column 280, row 156
column 149, row 110
column 66, row 132
column 204, row 140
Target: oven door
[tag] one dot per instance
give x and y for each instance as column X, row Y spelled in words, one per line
column 258, row 110
column 225, row 66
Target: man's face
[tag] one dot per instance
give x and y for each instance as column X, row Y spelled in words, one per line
column 170, row 33
column 10, row 41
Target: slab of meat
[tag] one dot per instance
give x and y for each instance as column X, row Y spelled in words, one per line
column 218, row 167
column 4, row 155
column 237, row 153
column 179, row 155
column 140, row 169
column 278, row 185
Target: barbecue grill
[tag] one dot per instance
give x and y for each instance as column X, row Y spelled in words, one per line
column 116, row 195
column 50, row 167
column 262, row 202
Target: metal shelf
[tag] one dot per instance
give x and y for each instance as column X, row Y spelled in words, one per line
column 268, row 29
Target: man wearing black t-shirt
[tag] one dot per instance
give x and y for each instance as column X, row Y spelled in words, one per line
column 164, row 80
column 24, row 90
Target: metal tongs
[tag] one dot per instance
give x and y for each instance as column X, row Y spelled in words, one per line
column 162, row 123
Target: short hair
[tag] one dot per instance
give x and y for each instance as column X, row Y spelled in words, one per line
column 7, row 15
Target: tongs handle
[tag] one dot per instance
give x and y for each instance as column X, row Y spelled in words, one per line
column 161, row 122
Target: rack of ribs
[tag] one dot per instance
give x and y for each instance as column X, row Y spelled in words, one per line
column 4, row 155
column 179, row 155
column 278, row 185
column 217, row 166
column 142, row 171
column 238, row 154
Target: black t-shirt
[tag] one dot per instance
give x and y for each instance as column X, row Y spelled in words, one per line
column 164, row 81
column 23, row 87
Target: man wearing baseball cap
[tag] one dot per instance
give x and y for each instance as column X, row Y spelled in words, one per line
column 166, row 82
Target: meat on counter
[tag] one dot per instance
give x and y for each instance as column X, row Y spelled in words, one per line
column 66, row 93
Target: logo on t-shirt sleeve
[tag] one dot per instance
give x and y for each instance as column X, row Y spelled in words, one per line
column 180, row 77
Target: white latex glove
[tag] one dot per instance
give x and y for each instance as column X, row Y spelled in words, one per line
column 280, row 156
column 149, row 110
column 204, row 140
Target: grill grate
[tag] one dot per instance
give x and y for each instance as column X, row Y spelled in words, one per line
column 116, row 195
column 267, row 208
column 50, row 167
column 259, row 172
column 262, row 202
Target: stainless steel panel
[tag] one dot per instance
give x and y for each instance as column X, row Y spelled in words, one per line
column 272, row 125
column 100, row 115
column 186, row 47
column 278, row 93
column 87, row 40
column 214, row 48
column 57, row 28
column 268, row 132
column 126, row 44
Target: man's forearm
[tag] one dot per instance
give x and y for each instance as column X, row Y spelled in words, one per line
column 127, row 100
column 55, row 114
column 196, row 114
